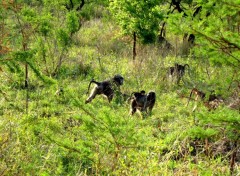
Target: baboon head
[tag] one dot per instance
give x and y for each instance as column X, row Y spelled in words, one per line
column 118, row 80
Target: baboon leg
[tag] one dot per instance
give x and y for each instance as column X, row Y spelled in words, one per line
column 133, row 110
column 150, row 110
column 110, row 97
column 93, row 94
column 178, row 79
column 144, row 108
column 133, row 107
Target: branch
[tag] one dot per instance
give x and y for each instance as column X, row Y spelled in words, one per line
column 69, row 7
column 61, row 144
column 6, row 60
column 71, row 4
column 220, row 43
column 230, row 43
column 81, row 5
column 232, row 5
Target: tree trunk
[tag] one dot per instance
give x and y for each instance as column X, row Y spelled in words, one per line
column 26, row 75
column 134, row 45
column 26, row 86
column 233, row 157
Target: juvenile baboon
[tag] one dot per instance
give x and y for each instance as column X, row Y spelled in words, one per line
column 177, row 71
column 213, row 104
column 106, row 88
column 213, row 101
column 198, row 94
column 142, row 101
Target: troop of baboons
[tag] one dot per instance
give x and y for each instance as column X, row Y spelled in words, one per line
column 145, row 102
column 211, row 103
column 138, row 100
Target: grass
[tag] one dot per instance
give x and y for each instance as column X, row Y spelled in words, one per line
column 61, row 135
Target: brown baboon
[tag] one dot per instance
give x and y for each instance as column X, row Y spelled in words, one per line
column 211, row 103
column 198, row 94
column 177, row 71
column 106, row 88
column 142, row 101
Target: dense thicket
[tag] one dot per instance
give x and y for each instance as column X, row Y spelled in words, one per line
column 47, row 46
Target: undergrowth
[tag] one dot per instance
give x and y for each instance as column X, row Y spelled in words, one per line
column 60, row 135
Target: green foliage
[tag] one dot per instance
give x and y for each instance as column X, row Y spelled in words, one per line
column 45, row 25
column 142, row 17
column 215, row 29
column 63, row 38
column 201, row 133
column 23, row 56
column 60, row 135
column 72, row 22
column 223, row 118
column 28, row 14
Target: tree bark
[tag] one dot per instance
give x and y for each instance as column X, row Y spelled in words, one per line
column 233, row 157
column 134, row 45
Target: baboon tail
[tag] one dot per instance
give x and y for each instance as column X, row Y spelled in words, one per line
column 186, row 65
column 92, row 81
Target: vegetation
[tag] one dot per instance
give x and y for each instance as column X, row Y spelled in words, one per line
column 47, row 45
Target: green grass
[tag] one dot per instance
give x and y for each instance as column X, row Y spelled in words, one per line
column 60, row 135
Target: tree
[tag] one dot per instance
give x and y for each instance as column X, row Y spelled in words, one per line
column 56, row 30
column 216, row 27
column 37, row 37
column 139, row 19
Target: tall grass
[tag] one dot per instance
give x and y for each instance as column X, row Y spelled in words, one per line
column 61, row 135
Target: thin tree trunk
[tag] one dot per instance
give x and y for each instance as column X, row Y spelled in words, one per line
column 60, row 61
column 24, row 45
column 26, row 75
column 134, row 45
column 26, row 78
column 233, row 158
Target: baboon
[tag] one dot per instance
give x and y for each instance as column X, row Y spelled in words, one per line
column 138, row 101
column 106, row 88
column 142, row 101
column 151, row 99
column 211, row 103
column 213, row 96
column 177, row 71
column 198, row 94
